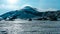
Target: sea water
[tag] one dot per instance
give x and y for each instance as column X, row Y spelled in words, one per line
column 30, row 27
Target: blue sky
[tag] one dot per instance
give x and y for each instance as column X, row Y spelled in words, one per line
column 10, row 5
column 50, row 4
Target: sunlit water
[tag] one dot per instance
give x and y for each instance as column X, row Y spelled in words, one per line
column 30, row 27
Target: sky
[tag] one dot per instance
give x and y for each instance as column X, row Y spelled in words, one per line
column 11, row 5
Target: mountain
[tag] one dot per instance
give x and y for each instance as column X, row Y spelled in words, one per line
column 24, row 13
column 30, row 13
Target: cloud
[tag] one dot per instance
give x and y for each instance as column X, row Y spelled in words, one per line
column 7, row 8
column 16, row 7
column 49, row 9
column 11, row 7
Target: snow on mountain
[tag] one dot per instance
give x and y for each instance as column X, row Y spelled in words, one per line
column 24, row 13
column 28, row 13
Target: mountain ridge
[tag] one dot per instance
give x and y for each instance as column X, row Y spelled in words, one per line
column 28, row 13
column 25, row 13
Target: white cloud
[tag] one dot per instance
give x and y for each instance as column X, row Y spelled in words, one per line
column 7, row 8
column 11, row 7
column 12, row 1
column 16, row 7
column 49, row 9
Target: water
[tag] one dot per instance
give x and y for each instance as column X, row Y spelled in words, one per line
column 30, row 27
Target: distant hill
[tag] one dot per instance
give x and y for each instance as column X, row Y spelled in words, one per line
column 28, row 13
column 24, row 13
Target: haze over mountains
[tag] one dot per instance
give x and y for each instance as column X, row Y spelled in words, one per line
column 27, row 13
